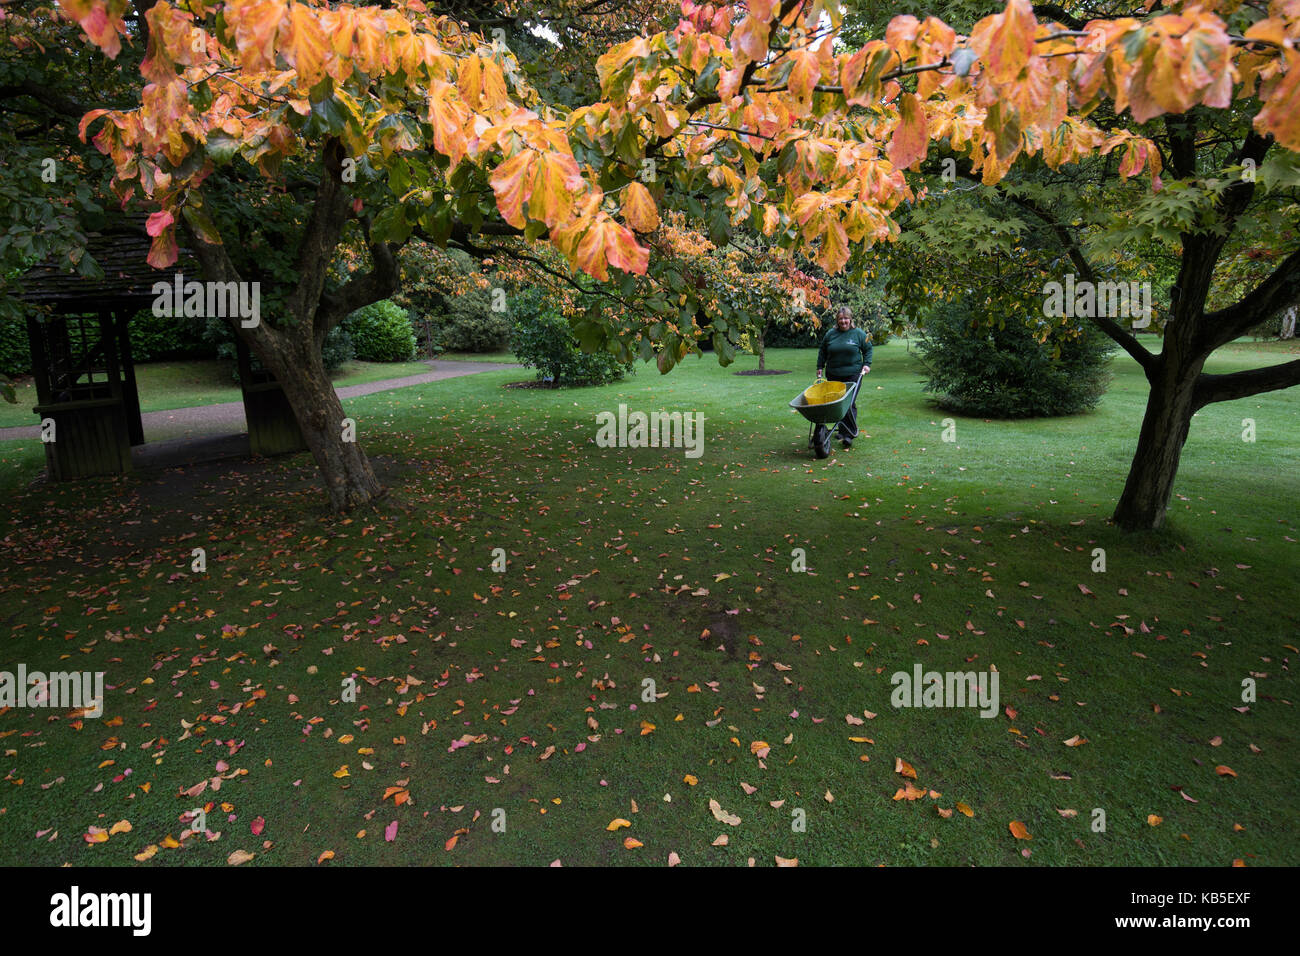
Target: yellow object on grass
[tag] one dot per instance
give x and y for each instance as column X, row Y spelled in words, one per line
column 823, row 393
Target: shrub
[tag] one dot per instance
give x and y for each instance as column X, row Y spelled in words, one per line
column 15, row 356
column 780, row 335
column 543, row 340
column 447, row 296
column 336, row 350
column 381, row 332
column 470, row 325
column 1006, row 372
column 154, row 338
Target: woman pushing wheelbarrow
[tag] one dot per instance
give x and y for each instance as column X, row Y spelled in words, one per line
column 845, row 357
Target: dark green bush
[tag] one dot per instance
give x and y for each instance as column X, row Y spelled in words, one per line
column 334, row 353
column 450, row 305
column 544, row 340
column 780, row 335
column 381, row 332
column 15, row 356
column 154, row 338
column 470, row 325
column 1006, row 372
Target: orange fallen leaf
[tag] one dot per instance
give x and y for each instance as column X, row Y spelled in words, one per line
column 1225, row 771
column 1018, row 830
column 327, row 855
column 1153, row 820
column 451, row 844
column 631, row 843
column 903, row 767
column 782, row 861
column 618, row 823
column 965, row 810
column 690, row 779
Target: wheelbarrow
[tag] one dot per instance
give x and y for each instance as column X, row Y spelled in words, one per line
column 825, row 405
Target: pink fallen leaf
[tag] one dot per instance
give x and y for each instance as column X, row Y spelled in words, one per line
column 390, row 832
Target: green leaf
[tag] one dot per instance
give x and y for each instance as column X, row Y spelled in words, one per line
column 221, row 146
column 391, row 225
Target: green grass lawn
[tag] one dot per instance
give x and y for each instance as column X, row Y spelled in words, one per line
column 167, row 385
column 520, row 698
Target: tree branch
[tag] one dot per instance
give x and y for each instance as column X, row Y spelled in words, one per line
column 320, row 235
column 379, row 283
column 1280, row 289
column 216, row 266
column 1225, row 388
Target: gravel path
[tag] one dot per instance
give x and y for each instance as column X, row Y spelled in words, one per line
column 227, row 417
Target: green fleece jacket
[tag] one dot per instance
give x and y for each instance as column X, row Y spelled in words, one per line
column 844, row 353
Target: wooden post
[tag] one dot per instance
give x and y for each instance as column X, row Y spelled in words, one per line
column 130, row 392
column 272, row 426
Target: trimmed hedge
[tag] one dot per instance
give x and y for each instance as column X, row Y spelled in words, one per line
column 381, row 332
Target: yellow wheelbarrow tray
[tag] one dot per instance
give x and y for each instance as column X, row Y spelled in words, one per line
column 824, row 405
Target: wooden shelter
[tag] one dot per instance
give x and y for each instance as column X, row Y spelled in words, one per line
column 82, row 363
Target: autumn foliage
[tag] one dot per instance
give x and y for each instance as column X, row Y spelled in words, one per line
column 246, row 76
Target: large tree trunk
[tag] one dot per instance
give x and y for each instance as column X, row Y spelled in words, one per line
column 1168, row 417
column 344, row 467
column 293, row 352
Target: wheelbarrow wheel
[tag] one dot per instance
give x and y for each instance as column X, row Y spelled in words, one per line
column 822, row 441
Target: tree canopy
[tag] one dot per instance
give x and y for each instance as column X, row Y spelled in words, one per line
column 769, row 118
